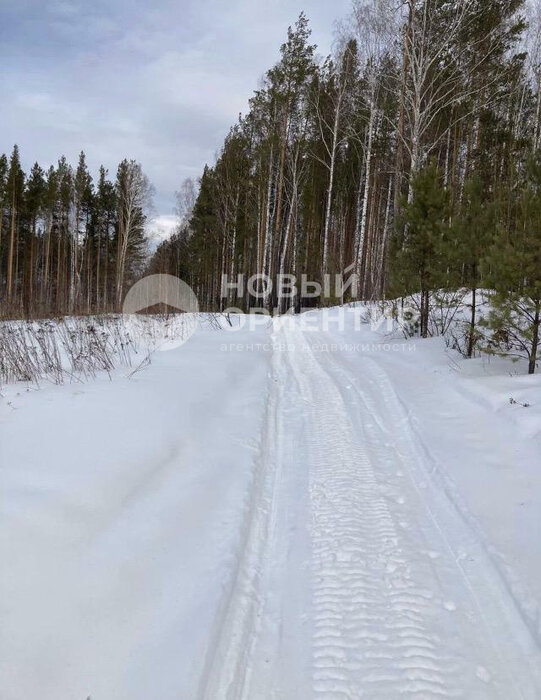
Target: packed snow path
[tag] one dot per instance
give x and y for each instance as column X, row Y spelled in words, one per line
column 359, row 579
column 267, row 526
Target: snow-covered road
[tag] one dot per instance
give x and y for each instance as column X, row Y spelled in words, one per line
column 360, row 580
column 258, row 526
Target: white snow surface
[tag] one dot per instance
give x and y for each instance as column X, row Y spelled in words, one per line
column 289, row 512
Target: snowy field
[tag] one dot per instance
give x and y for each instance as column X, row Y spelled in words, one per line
column 288, row 512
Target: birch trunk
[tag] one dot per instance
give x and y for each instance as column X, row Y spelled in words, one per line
column 368, row 169
column 268, row 226
column 330, row 189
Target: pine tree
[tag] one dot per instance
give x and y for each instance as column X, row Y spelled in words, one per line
column 33, row 209
column 470, row 238
column 82, row 201
column 515, row 274
column 419, row 265
column 3, row 195
column 104, row 223
column 205, row 233
column 14, row 195
column 50, row 206
column 64, row 240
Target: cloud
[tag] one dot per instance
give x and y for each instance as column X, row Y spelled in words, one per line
column 120, row 78
column 161, row 228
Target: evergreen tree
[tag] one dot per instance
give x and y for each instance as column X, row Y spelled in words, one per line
column 419, row 264
column 14, row 196
column 64, row 238
column 3, row 195
column 59, row 238
column 204, row 233
column 515, row 275
column 470, row 239
column 82, row 205
column 50, row 204
column 312, row 179
column 103, row 225
column 34, row 197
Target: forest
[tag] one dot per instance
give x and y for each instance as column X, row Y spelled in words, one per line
column 68, row 245
column 411, row 155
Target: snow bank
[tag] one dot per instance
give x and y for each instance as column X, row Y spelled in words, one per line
column 122, row 507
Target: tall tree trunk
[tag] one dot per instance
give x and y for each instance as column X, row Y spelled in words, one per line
column 425, row 312
column 330, row 188
column 267, row 256
column 535, row 339
column 537, row 138
column 11, row 251
column 368, row 172
column 45, row 296
column 401, row 130
column 473, row 321
column 380, row 283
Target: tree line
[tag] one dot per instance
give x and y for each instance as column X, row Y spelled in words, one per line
column 410, row 155
column 68, row 244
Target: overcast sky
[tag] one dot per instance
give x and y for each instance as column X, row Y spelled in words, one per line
column 159, row 82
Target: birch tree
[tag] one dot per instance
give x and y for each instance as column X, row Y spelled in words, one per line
column 375, row 26
column 330, row 105
column 134, row 197
column 446, row 46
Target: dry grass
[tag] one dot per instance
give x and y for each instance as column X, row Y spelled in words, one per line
column 76, row 349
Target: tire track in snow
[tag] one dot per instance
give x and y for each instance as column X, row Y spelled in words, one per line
column 403, row 604
column 485, row 631
column 514, row 649
column 227, row 669
column 374, row 633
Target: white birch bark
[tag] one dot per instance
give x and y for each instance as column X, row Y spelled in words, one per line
column 368, row 173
